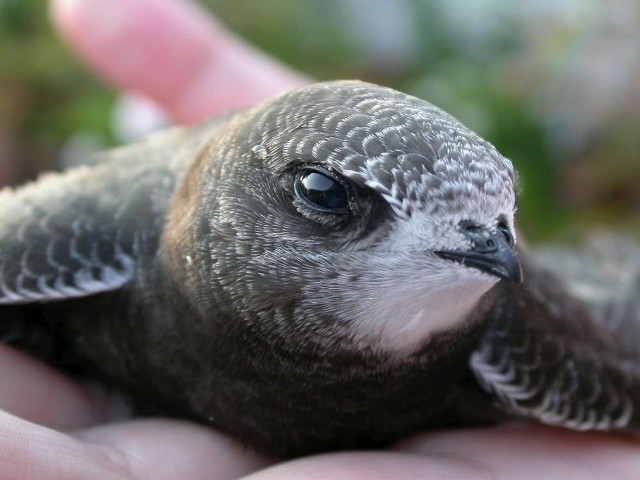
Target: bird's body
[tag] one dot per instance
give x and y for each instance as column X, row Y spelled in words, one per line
column 332, row 269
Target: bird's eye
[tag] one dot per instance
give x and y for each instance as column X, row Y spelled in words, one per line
column 506, row 233
column 322, row 190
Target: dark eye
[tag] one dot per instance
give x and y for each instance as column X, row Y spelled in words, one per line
column 506, row 233
column 322, row 190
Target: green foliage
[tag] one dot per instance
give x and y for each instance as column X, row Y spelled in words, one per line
column 46, row 96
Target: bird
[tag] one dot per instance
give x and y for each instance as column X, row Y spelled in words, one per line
column 335, row 268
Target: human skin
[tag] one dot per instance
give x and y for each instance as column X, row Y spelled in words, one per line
column 55, row 428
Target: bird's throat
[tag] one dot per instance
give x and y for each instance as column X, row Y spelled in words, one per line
column 400, row 320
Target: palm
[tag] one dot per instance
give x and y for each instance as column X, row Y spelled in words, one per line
column 170, row 449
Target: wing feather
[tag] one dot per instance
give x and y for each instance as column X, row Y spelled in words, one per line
column 81, row 232
column 539, row 359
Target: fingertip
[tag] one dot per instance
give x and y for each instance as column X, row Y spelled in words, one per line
column 171, row 51
column 183, row 449
column 60, row 11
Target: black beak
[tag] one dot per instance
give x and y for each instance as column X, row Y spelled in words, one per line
column 492, row 252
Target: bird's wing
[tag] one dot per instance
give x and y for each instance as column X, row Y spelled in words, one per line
column 545, row 357
column 81, row 232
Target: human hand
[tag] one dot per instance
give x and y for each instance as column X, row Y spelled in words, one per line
column 173, row 53
column 57, row 429
column 62, row 435
column 55, row 448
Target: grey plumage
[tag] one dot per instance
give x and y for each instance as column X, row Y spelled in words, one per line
column 328, row 270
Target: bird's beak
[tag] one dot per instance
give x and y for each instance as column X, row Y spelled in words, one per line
column 491, row 252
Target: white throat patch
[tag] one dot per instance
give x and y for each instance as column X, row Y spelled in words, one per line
column 393, row 301
column 398, row 316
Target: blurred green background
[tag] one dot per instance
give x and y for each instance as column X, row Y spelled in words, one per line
column 555, row 85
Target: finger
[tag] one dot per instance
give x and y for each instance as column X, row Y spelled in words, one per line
column 162, row 450
column 40, row 394
column 525, row 451
column 165, row 449
column 171, row 51
column 32, row 452
column 367, row 465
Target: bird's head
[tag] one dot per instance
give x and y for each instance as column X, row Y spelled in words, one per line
column 350, row 207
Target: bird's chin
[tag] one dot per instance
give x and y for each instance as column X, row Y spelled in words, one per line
column 399, row 318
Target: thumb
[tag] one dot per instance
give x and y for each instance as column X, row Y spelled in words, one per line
column 171, row 51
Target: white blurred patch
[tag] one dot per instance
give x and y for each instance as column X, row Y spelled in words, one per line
column 79, row 149
column 135, row 116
